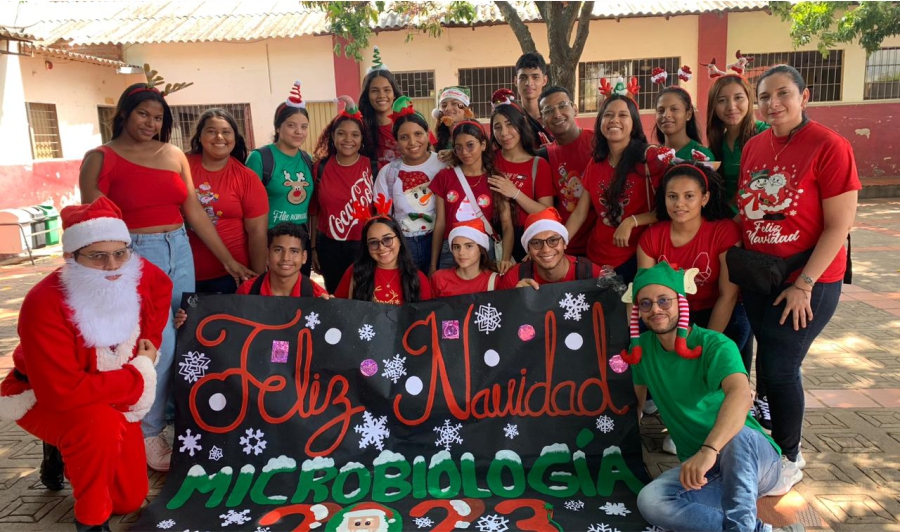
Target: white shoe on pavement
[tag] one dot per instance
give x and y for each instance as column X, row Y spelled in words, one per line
column 650, row 407
column 159, row 453
column 790, row 475
column 801, row 462
column 669, row 445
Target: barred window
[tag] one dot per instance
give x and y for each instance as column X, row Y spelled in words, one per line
column 320, row 114
column 823, row 76
column 589, row 75
column 105, row 116
column 883, row 75
column 483, row 82
column 186, row 116
column 43, row 127
column 417, row 84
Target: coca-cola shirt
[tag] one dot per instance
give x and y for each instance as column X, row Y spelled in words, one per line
column 457, row 207
column 780, row 200
column 335, row 193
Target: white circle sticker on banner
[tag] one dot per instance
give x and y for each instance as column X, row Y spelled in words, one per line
column 333, row 336
column 574, row 341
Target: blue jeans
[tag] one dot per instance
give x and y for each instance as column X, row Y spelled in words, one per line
column 747, row 467
column 171, row 252
column 780, row 352
column 420, row 249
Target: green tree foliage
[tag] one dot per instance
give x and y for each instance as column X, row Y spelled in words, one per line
column 840, row 22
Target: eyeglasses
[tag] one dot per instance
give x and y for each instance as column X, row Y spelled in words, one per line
column 561, row 107
column 537, row 243
column 663, row 303
column 101, row 257
column 386, row 241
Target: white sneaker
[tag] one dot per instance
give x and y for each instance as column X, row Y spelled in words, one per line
column 650, row 407
column 790, row 475
column 801, row 462
column 669, row 445
column 159, row 453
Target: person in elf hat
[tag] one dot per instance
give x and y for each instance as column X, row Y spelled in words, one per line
column 453, row 108
column 84, row 373
column 366, row 517
column 702, row 390
column 475, row 271
column 545, row 237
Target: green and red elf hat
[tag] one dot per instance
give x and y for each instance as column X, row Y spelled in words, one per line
column 350, row 109
column 403, row 106
column 682, row 282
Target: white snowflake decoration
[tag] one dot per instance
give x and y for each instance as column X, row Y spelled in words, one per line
column 654, row 528
column 605, row 424
column 394, row 368
column 575, row 506
column 190, row 442
column 312, row 319
column 601, row 527
column 194, row 366
column 166, row 524
column 511, row 431
column 253, row 442
column 374, row 431
column 235, row 518
column 615, row 508
column 574, row 306
column 423, row 522
column 216, row 454
column 487, row 318
column 366, row 332
column 448, row 434
column 492, row 523
column 262, row 529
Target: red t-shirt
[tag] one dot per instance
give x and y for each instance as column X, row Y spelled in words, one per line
column 636, row 198
column 457, row 206
column 521, row 175
column 702, row 252
column 445, row 283
column 511, row 278
column 266, row 288
column 387, row 145
column 228, row 196
column 567, row 164
column 334, row 194
column 780, row 201
column 388, row 287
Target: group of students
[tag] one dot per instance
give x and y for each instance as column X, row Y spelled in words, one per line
column 386, row 211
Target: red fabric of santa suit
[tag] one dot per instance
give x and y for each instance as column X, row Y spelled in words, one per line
column 88, row 401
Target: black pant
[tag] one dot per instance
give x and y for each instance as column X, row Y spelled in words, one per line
column 220, row 285
column 335, row 256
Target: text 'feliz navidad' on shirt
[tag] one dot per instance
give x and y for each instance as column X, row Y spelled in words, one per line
column 688, row 392
column 511, row 278
column 290, row 189
column 638, row 196
column 336, row 191
column 702, row 252
column 388, row 286
column 457, row 207
column 447, row 283
column 228, row 196
column 531, row 177
column 410, row 189
column 265, row 288
column 780, row 200
column 567, row 164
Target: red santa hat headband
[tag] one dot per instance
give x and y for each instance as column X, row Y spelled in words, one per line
column 473, row 230
column 738, row 68
column 545, row 220
column 296, row 98
column 100, row 221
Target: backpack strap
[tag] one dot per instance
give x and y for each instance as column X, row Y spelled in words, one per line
column 320, row 171
column 307, row 160
column 268, row 163
column 306, row 289
column 584, row 269
column 534, row 177
column 492, row 281
column 526, row 270
column 257, row 285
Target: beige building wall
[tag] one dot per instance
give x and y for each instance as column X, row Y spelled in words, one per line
column 13, row 118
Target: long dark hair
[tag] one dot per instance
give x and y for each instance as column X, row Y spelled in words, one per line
column 370, row 118
column 416, row 119
column 715, row 128
column 282, row 113
column 133, row 96
column 518, row 120
column 716, row 207
column 239, row 151
column 692, row 130
column 633, row 154
column 364, row 266
column 325, row 147
column 487, row 163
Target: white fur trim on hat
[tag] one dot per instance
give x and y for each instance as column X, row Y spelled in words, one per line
column 13, row 407
column 455, row 94
column 472, row 234
column 95, row 230
column 138, row 410
column 544, row 225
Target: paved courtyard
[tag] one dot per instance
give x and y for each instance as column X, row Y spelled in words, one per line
column 851, row 434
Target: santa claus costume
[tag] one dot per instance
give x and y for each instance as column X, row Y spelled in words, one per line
column 78, row 383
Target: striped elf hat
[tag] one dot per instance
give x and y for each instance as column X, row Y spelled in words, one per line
column 682, row 282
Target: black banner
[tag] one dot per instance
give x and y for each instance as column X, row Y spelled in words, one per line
column 498, row 411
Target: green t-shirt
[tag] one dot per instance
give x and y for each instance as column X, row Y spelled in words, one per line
column 685, row 153
column 289, row 190
column 687, row 392
column 731, row 164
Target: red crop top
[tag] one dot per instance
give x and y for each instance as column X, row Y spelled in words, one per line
column 147, row 196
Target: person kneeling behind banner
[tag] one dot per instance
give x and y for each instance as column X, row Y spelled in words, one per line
column 703, row 392
column 84, row 371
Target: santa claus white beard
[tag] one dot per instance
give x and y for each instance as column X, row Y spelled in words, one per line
column 105, row 311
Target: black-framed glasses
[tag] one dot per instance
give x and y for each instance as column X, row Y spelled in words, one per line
column 561, row 107
column 538, row 243
column 664, row 303
column 101, row 257
column 386, row 241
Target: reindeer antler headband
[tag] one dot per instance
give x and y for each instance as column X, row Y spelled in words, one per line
column 154, row 80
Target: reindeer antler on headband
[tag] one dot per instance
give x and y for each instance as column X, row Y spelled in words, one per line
column 350, row 109
column 363, row 213
column 630, row 90
column 154, row 80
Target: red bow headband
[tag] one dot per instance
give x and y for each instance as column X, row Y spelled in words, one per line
column 363, row 213
column 691, row 166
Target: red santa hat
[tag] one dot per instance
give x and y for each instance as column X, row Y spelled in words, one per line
column 545, row 220
column 473, row 230
column 411, row 180
column 100, row 221
column 296, row 97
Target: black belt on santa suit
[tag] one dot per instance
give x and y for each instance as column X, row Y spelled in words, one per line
column 19, row 375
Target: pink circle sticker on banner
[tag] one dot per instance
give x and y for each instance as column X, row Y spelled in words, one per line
column 617, row 364
column 526, row 332
column 368, row 367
